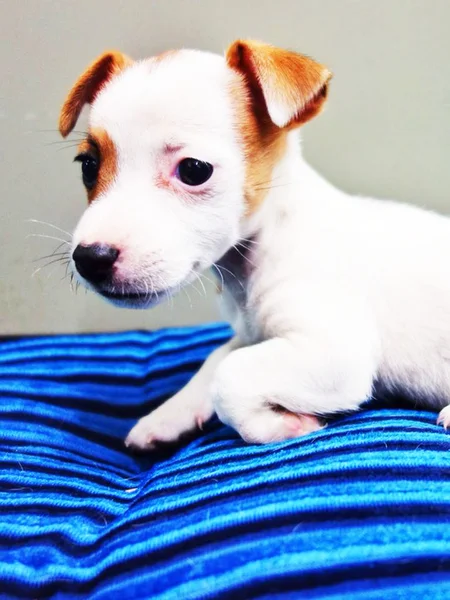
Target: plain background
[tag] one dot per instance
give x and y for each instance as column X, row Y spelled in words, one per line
column 385, row 131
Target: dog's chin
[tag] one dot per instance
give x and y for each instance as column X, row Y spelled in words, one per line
column 134, row 300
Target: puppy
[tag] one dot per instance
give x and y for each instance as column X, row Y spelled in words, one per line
column 193, row 161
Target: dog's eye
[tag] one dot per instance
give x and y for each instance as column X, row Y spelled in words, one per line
column 89, row 169
column 192, row 171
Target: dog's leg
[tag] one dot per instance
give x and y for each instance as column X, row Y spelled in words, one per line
column 271, row 391
column 444, row 418
column 184, row 412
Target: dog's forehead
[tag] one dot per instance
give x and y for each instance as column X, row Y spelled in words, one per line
column 184, row 89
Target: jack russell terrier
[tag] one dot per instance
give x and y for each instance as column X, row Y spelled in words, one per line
column 192, row 161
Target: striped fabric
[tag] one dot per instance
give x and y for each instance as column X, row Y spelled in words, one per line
column 358, row 510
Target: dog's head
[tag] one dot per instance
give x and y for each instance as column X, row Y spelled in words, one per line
column 179, row 152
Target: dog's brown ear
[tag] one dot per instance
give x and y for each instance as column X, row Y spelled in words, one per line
column 87, row 87
column 290, row 87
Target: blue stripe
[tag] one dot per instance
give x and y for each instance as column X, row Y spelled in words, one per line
column 359, row 510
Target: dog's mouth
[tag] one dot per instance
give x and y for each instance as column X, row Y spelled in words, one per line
column 130, row 294
column 132, row 299
column 124, row 295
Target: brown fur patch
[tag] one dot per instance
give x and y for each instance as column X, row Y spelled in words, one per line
column 100, row 145
column 263, row 142
column 88, row 86
column 264, row 73
column 292, row 79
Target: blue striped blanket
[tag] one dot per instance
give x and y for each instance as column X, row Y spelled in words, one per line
column 358, row 510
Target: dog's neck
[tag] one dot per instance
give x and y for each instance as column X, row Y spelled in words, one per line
column 294, row 186
column 235, row 268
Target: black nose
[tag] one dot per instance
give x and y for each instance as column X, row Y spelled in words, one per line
column 95, row 262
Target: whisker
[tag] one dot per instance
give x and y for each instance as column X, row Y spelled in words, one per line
column 201, row 283
column 167, row 290
column 249, row 241
column 203, row 276
column 74, row 131
column 52, row 262
column 150, row 287
column 54, row 254
column 220, row 273
column 62, row 142
column 244, row 246
column 67, row 269
column 271, row 187
column 60, row 246
column 244, row 257
column 50, row 225
column 61, row 260
column 232, row 274
column 271, row 180
column 49, row 237
column 68, row 146
column 36, row 271
column 199, row 292
column 53, row 270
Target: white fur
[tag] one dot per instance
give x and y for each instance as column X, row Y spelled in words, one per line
column 342, row 291
column 346, row 291
column 166, row 239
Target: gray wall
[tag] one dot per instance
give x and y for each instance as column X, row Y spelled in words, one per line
column 385, row 133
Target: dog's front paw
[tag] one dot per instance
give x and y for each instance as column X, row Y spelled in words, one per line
column 276, row 426
column 168, row 423
column 266, row 425
column 444, row 418
column 249, row 396
column 253, row 408
column 156, row 429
